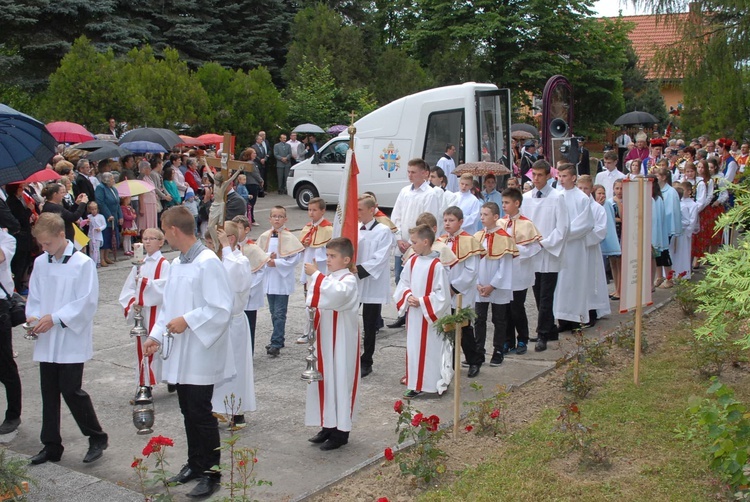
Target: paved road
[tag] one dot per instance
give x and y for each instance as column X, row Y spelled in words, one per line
column 285, row 457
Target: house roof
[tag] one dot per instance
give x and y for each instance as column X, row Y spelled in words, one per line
column 652, row 32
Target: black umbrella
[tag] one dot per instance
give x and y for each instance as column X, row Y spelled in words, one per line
column 636, row 118
column 526, row 128
column 164, row 137
column 94, row 144
column 25, row 145
column 108, row 152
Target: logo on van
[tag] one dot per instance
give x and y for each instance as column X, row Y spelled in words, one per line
column 389, row 159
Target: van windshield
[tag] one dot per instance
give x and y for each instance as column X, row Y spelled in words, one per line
column 444, row 129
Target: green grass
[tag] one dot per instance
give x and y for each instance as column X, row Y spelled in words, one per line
column 638, row 422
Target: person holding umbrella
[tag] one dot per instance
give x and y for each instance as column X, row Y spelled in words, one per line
column 109, row 205
column 53, row 195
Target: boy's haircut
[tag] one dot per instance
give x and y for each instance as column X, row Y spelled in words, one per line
column 231, row 228
column 49, row 224
column 541, row 164
column 280, row 208
column 423, row 232
column 372, row 194
column 439, row 171
column 241, row 219
column 489, row 176
column 454, row 211
column 514, row 194
column 180, row 218
column 492, row 206
column 610, row 155
column 680, row 191
column 368, row 201
column 686, row 186
column 155, row 231
column 467, row 177
column 341, row 245
column 427, row 219
column 316, row 201
column 585, row 179
column 568, row 167
column 420, row 163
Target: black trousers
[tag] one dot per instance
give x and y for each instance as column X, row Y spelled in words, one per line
column 253, row 190
column 480, row 326
column 370, row 320
column 469, row 345
column 544, row 294
column 8, row 369
column 517, row 320
column 65, row 380
column 252, row 317
column 201, row 427
column 21, row 261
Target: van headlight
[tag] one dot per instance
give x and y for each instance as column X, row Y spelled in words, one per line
column 291, row 173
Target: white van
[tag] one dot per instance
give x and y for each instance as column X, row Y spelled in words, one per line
column 473, row 117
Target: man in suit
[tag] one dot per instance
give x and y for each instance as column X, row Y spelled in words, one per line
column 283, row 153
column 82, row 182
column 584, row 161
column 528, row 157
column 262, row 151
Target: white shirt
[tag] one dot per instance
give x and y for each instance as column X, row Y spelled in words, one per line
column 294, row 144
column 8, row 245
column 410, row 203
column 607, row 179
column 448, row 166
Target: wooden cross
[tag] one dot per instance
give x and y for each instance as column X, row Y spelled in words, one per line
column 225, row 164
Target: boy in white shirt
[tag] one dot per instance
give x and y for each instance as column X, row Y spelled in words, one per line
column 314, row 236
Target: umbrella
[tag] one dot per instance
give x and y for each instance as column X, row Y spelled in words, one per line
column 308, row 128
column 635, row 118
column 69, row 132
column 482, row 168
column 190, row 141
column 130, row 188
column 25, row 145
column 164, row 137
column 108, row 152
column 43, row 175
column 94, row 145
column 521, row 135
column 526, row 128
column 143, row 147
column 337, row 129
column 211, row 139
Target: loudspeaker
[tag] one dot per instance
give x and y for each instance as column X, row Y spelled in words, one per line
column 558, row 128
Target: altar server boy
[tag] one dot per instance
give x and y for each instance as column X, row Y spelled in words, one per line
column 314, row 236
column 332, row 402
column 423, row 295
column 149, row 294
column 242, row 385
column 373, row 272
column 495, row 281
column 62, row 301
column 527, row 237
column 463, row 279
column 258, row 259
column 283, row 249
column 598, row 294
column 445, row 254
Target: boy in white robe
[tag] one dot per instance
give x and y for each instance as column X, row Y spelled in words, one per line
column 495, row 281
column 62, row 301
column 373, row 271
column 258, row 259
column 149, row 294
column 469, row 204
column 193, row 332
column 598, row 294
column 423, row 295
column 314, row 236
column 242, row 385
column 332, row 402
column 681, row 261
column 570, row 306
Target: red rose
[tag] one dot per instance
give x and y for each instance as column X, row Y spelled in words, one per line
column 683, row 274
column 136, row 462
column 398, row 407
column 670, row 275
column 495, row 413
column 241, row 463
column 255, row 460
column 149, row 449
column 469, row 428
column 417, row 420
column 383, row 499
column 388, row 454
column 433, row 421
column 163, row 441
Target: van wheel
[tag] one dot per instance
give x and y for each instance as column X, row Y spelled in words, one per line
column 304, row 195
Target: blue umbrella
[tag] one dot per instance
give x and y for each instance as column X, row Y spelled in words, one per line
column 143, row 147
column 25, row 145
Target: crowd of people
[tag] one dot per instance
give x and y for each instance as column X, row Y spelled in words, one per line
column 559, row 236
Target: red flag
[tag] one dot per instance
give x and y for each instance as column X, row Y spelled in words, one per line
column 346, row 223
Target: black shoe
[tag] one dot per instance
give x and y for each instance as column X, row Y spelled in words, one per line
column 497, row 358
column 186, row 474
column 322, row 436
column 521, row 348
column 45, row 456
column 533, row 339
column 401, row 321
column 366, row 370
column 473, row 370
column 9, row 426
column 541, row 345
column 333, row 444
column 95, row 452
column 171, row 388
column 411, row 394
column 268, row 346
column 273, row 351
column 207, row 486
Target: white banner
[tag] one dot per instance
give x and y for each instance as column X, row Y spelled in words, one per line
column 630, row 229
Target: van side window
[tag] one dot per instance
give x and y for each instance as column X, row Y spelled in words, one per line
column 334, row 153
column 444, row 128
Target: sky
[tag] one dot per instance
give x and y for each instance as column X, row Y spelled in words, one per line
column 610, row 8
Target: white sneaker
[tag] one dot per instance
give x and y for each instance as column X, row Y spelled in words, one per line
column 302, row 339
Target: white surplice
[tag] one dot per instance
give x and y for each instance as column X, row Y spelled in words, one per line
column 470, row 206
column 526, row 264
column 410, row 203
column 374, row 255
column 279, row 279
column 150, row 295
column 257, row 295
column 200, row 292
column 242, row 385
column 571, row 303
column 550, row 216
column 598, row 292
column 495, row 272
column 332, row 402
column 67, row 289
column 682, row 258
column 428, row 355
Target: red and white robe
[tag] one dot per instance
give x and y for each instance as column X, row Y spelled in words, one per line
column 150, row 294
column 332, row 402
column 428, row 355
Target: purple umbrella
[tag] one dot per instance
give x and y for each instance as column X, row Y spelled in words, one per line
column 336, row 129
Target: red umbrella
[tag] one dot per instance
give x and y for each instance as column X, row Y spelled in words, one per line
column 190, row 141
column 43, row 175
column 69, row 132
column 211, row 139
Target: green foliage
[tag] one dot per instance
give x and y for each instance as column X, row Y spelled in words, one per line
column 398, row 75
column 446, row 325
column 684, row 294
column 724, row 422
column 580, row 437
column 588, row 352
column 624, row 338
column 424, row 459
column 486, row 416
column 12, row 472
column 312, row 94
column 712, row 355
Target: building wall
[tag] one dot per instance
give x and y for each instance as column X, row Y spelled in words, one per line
column 672, row 93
